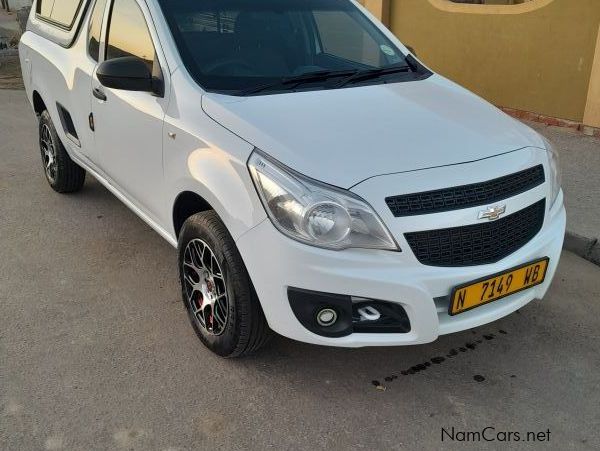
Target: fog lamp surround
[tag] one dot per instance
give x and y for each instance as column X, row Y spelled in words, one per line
column 316, row 213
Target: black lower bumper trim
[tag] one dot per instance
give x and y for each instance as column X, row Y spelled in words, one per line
column 307, row 304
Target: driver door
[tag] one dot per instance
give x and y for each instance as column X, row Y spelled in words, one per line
column 129, row 125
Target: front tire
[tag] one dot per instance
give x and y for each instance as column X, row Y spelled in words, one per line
column 216, row 288
column 63, row 175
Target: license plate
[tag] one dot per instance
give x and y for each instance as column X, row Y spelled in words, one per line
column 492, row 288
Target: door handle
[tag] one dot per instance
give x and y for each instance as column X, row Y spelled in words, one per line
column 99, row 94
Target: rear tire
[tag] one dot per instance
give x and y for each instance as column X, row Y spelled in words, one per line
column 217, row 291
column 63, row 175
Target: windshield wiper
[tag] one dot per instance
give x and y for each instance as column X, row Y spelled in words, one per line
column 292, row 82
column 368, row 74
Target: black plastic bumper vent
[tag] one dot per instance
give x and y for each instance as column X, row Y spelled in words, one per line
column 480, row 243
column 306, row 305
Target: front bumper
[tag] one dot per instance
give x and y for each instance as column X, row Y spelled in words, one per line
column 276, row 262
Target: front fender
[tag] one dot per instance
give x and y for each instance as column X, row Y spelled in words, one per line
column 203, row 157
column 226, row 186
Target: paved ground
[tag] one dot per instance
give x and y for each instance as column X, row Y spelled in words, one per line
column 8, row 23
column 96, row 351
column 9, row 28
column 10, row 71
column 580, row 163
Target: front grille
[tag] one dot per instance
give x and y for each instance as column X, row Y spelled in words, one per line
column 480, row 243
column 466, row 196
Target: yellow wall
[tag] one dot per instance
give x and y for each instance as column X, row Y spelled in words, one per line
column 535, row 56
column 592, row 110
column 379, row 8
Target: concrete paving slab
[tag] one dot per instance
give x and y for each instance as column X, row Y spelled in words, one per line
column 96, row 352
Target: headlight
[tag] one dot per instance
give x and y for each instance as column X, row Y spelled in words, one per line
column 555, row 172
column 315, row 213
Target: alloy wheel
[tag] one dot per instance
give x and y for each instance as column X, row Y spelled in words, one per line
column 48, row 152
column 205, row 287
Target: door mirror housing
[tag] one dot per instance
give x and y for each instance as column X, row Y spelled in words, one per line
column 129, row 73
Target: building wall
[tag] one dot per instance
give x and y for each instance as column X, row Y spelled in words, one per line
column 592, row 110
column 536, row 56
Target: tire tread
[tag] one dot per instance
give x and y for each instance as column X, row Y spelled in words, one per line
column 253, row 331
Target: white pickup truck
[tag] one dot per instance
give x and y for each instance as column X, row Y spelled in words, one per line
column 318, row 180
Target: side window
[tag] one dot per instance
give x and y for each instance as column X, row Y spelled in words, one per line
column 95, row 28
column 341, row 37
column 62, row 12
column 44, row 8
column 128, row 34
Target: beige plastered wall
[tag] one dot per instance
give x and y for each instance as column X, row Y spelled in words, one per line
column 541, row 56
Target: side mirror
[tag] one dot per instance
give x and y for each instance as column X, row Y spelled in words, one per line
column 130, row 74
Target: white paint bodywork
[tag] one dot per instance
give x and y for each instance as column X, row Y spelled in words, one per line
column 377, row 140
column 401, row 127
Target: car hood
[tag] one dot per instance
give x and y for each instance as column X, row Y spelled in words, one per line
column 345, row 136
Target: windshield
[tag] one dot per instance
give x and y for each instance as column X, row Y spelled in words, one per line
column 234, row 46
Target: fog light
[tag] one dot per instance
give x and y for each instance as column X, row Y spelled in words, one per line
column 326, row 317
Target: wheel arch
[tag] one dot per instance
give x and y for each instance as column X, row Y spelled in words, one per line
column 187, row 203
column 218, row 187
